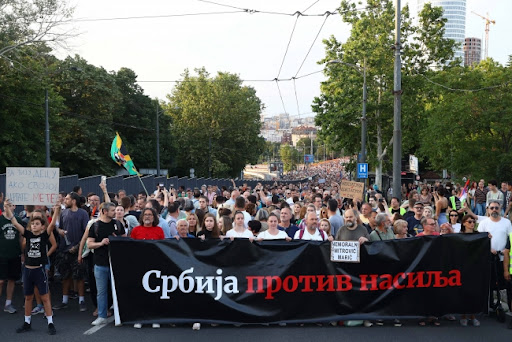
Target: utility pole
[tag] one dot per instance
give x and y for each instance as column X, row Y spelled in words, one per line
column 397, row 115
column 157, row 142
column 363, row 117
column 47, row 128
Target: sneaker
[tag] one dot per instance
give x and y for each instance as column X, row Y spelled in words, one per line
column 196, row 326
column 82, row 306
column 24, row 328
column 73, row 295
column 99, row 321
column 367, row 324
column 333, row 323
column 156, row 326
column 464, row 322
column 282, row 324
column 37, row 310
column 397, row 323
column 10, row 309
column 379, row 322
column 51, row 329
column 476, row 322
column 137, row 325
column 60, row 306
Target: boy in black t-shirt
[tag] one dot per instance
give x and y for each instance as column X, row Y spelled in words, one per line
column 35, row 259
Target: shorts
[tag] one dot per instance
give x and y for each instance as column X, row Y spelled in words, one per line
column 10, row 268
column 67, row 265
column 33, row 277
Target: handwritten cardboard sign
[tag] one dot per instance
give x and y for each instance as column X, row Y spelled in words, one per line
column 352, row 190
column 32, row 185
column 345, row 251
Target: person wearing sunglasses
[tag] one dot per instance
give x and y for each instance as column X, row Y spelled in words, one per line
column 499, row 229
column 468, row 227
column 454, row 220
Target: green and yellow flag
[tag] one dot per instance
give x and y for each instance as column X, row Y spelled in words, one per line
column 121, row 157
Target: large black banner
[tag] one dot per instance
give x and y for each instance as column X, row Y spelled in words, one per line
column 277, row 281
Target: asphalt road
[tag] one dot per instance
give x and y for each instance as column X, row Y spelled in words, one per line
column 75, row 326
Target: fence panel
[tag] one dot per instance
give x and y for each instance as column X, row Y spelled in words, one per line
column 91, row 184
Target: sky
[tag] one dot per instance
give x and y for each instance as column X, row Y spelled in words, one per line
column 251, row 45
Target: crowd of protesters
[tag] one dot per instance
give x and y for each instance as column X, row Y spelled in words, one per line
column 81, row 223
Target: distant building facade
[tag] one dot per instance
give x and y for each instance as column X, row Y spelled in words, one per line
column 472, row 51
column 455, row 27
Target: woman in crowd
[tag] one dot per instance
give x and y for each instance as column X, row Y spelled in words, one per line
column 250, row 208
column 239, row 230
column 210, row 228
column 148, row 230
column 323, row 213
column 468, row 227
column 325, row 225
column 297, row 206
column 302, row 214
column 262, row 216
column 446, row 228
column 441, row 205
column 273, row 233
column 225, row 223
column 454, row 220
column 193, row 224
column 400, row 229
column 471, row 195
column 120, row 218
column 425, row 195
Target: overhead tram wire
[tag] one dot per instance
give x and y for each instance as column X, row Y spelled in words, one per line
column 260, row 80
column 288, row 45
column 465, row 90
column 296, row 98
column 281, row 96
column 154, row 16
column 312, row 44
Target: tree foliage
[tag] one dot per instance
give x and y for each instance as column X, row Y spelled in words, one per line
column 217, row 119
column 467, row 132
column 31, row 22
column 339, row 106
column 87, row 105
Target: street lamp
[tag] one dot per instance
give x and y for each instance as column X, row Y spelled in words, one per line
column 365, row 98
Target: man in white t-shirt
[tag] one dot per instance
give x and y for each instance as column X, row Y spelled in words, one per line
column 311, row 232
column 499, row 228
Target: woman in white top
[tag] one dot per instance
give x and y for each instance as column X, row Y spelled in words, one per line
column 239, row 230
column 273, row 233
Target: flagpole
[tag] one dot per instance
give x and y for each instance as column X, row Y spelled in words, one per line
column 141, row 182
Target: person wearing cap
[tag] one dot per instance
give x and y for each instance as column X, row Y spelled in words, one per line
column 414, row 222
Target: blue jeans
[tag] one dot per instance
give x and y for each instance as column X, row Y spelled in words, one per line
column 102, row 275
column 480, row 209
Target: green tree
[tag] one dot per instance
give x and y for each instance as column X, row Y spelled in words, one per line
column 339, row 106
column 22, row 113
column 289, row 157
column 467, row 132
column 216, row 124
column 33, row 22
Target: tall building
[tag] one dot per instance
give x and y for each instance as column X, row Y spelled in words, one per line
column 472, row 51
column 455, row 28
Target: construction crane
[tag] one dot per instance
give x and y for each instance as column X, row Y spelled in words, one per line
column 488, row 22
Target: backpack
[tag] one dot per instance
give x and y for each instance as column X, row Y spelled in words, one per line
column 301, row 234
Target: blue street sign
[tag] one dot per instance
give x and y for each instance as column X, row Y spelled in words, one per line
column 362, row 170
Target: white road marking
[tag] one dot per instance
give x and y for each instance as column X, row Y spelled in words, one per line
column 98, row 327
